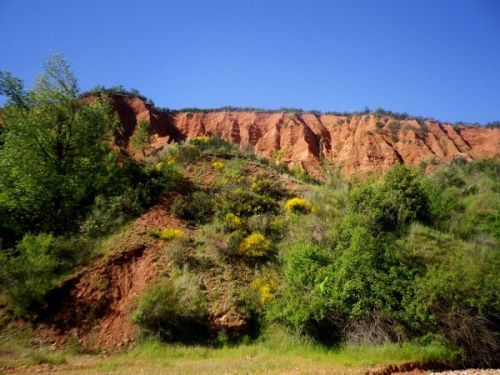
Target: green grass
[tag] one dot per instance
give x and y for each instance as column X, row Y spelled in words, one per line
column 16, row 351
column 276, row 352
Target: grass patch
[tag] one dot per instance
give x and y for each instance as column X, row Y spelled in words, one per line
column 274, row 352
column 279, row 351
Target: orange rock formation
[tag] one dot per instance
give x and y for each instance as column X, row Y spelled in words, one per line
column 357, row 143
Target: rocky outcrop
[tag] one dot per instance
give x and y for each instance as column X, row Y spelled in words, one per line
column 358, row 143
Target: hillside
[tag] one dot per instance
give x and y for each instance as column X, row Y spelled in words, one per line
column 221, row 244
column 359, row 143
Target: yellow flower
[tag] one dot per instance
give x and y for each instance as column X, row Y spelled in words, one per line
column 232, row 221
column 218, row 165
column 298, row 205
column 168, row 234
column 200, row 139
column 255, row 245
column 171, row 161
column 263, row 288
column 265, row 293
column 159, row 166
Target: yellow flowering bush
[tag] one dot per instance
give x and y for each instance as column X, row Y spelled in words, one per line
column 218, row 165
column 277, row 155
column 232, row 222
column 255, row 245
column 265, row 293
column 171, row 160
column 263, row 287
column 200, row 139
column 159, row 166
column 167, row 234
column 298, row 205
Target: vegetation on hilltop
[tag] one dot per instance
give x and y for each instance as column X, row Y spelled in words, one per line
column 405, row 258
column 378, row 112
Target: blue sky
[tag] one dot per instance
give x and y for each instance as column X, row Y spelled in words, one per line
column 432, row 58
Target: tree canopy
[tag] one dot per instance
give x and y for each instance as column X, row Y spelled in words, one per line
column 54, row 150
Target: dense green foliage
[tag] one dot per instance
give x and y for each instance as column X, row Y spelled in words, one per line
column 399, row 258
column 174, row 310
column 60, row 180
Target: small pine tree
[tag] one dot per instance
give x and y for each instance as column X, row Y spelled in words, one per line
column 142, row 136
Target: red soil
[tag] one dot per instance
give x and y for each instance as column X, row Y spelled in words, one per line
column 354, row 142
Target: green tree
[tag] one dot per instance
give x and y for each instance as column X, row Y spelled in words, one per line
column 54, row 150
column 142, row 137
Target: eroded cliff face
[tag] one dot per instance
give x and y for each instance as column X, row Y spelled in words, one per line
column 359, row 143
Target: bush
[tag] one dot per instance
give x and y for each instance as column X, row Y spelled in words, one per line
column 255, row 245
column 398, row 201
column 218, row 165
column 178, row 251
column 302, row 175
column 30, row 273
column 232, row 222
column 214, row 242
column 304, row 302
column 197, row 207
column 298, row 205
column 142, row 137
column 197, row 147
column 394, row 127
column 244, row 203
column 167, row 234
column 174, row 310
column 107, row 214
column 268, row 187
column 368, row 277
column 455, row 292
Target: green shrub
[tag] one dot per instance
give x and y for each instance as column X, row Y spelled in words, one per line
column 196, row 207
column 304, row 302
column 394, row 127
column 245, row 203
column 177, row 251
column 302, row 175
column 368, row 277
column 30, row 273
column 174, row 310
column 196, row 147
column 142, row 137
column 214, row 242
column 405, row 196
column 267, row 187
column 398, row 201
column 455, row 292
column 107, row 214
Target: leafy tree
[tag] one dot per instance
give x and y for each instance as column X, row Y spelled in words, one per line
column 54, row 152
column 142, row 136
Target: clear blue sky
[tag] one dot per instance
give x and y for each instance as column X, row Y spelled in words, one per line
column 426, row 57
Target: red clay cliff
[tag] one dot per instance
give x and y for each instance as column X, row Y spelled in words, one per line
column 358, row 143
